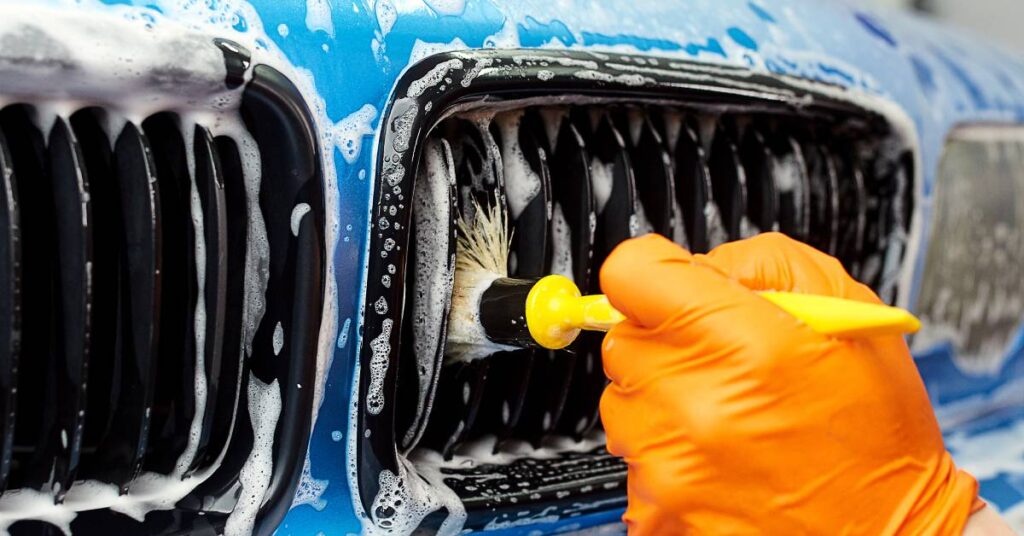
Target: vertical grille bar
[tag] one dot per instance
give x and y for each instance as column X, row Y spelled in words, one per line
column 225, row 399
column 545, row 393
column 73, row 256
column 104, row 347
column 852, row 214
column 758, row 165
column 209, row 183
column 693, row 188
column 824, row 190
column 33, row 447
column 573, row 249
column 10, row 309
column 175, row 361
column 728, row 183
column 793, row 186
column 124, row 448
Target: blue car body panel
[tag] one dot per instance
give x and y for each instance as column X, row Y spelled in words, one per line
column 355, row 51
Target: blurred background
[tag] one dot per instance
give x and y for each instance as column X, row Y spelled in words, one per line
column 999, row 20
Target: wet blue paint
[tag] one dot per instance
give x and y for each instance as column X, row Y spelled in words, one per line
column 833, row 71
column 711, row 46
column 875, row 28
column 975, row 92
column 640, row 43
column 761, row 12
column 533, row 33
column 923, row 73
column 741, row 38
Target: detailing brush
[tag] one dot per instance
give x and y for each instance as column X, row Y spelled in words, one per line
column 492, row 312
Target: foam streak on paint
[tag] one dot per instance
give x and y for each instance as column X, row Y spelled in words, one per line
column 561, row 244
column 318, row 17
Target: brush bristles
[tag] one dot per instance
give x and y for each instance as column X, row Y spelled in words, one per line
column 481, row 257
column 484, row 244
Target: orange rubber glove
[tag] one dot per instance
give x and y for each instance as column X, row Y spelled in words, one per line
column 735, row 418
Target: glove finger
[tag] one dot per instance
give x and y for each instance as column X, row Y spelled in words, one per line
column 773, row 261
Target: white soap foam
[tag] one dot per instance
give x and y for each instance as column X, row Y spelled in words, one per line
column 310, row 490
column 561, row 244
column 318, row 17
column 278, row 338
column 552, row 118
column 446, row 7
column 264, row 410
column 522, row 183
column 406, row 498
column 386, row 16
column 347, row 135
column 298, row 212
column 433, row 77
column 381, row 348
column 602, row 179
column 434, row 270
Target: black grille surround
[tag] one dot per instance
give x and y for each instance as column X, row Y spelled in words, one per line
column 701, row 154
column 99, row 272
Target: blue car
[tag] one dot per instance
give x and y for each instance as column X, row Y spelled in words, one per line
column 227, row 237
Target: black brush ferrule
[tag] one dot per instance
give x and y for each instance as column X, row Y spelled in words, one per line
column 503, row 312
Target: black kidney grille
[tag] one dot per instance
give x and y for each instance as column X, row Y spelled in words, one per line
column 100, row 295
column 602, row 174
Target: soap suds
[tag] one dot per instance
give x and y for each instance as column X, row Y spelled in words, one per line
column 434, row 268
column 347, row 135
column 264, row 410
column 318, row 17
column 602, row 179
column 381, row 348
column 298, row 212
column 561, row 244
column 522, row 184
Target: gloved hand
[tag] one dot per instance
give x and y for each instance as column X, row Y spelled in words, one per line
column 735, row 418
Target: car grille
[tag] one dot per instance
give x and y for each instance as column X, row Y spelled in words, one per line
column 580, row 168
column 125, row 353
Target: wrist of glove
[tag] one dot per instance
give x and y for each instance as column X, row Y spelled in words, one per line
column 735, row 418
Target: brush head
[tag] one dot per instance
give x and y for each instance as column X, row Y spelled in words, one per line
column 481, row 257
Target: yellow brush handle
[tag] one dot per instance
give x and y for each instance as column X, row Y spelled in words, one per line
column 556, row 312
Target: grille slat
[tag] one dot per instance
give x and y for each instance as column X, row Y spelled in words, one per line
column 759, row 166
column 728, row 184
column 545, row 391
column 693, row 188
column 104, row 347
column 209, row 183
column 123, row 449
column 652, row 170
column 224, row 389
column 852, row 215
column 173, row 401
column 10, row 309
column 616, row 202
column 36, row 397
column 461, row 390
column 824, row 187
column 574, row 208
column 794, row 189
column 73, row 258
